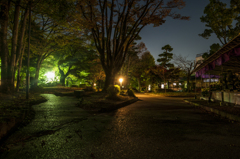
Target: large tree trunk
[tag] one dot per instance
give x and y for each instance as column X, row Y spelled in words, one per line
column 4, row 46
column 139, row 84
column 14, row 45
column 19, row 69
column 109, row 80
column 62, row 79
column 38, row 66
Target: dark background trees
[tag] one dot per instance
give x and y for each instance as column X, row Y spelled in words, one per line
column 112, row 26
column 115, row 25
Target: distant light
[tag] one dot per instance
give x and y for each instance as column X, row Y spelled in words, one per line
column 149, row 87
column 180, row 84
column 162, row 86
column 50, row 76
column 120, row 80
column 94, row 84
column 174, row 84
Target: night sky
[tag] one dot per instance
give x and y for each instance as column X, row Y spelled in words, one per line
column 182, row 35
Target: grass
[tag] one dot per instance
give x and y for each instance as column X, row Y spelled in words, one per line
column 177, row 94
column 100, row 100
column 12, row 106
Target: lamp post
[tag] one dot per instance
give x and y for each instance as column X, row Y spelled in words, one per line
column 120, row 80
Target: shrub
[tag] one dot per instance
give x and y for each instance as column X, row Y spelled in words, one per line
column 205, row 92
column 37, row 89
column 130, row 93
column 123, row 92
column 74, row 85
column 113, row 91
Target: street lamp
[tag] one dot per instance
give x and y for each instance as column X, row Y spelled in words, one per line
column 120, row 80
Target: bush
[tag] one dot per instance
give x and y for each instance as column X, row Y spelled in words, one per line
column 123, row 92
column 205, row 92
column 36, row 89
column 113, row 91
column 74, row 85
column 130, row 93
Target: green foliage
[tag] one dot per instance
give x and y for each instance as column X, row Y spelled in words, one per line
column 141, row 69
column 213, row 48
column 205, row 92
column 177, row 94
column 219, row 20
column 113, row 91
column 166, row 57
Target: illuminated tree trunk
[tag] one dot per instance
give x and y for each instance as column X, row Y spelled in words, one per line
column 109, row 80
column 21, row 48
column 10, row 60
column 38, row 66
column 19, row 70
column 4, row 46
column 63, row 76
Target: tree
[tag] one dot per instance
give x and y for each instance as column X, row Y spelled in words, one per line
column 213, row 48
column 166, row 57
column 115, row 25
column 219, row 20
column 96, row 73
column 142, row 66
column 186, row 65
column 11, row 56
column 164, row 60
column 235, row 6
column 74, row 58
column 134, row 52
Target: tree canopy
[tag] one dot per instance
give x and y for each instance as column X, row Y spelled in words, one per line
column 219, row 20
column 116, row 24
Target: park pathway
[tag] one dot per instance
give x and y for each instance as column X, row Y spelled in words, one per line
column 154, row 127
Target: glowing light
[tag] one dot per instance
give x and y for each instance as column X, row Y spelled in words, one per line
column 174, row 84
column 149, row 87
column 50, row 76
column 120, row 80
column 94, row 84
column 162, row 86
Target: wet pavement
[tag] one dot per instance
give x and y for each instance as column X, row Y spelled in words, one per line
column 154, row 127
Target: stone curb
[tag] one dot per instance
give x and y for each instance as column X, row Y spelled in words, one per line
column 6, row 128
column 117, row 106
column 216, row 111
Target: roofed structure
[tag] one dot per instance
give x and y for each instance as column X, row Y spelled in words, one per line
column 226, row 58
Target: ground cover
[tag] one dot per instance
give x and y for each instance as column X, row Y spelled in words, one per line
column 176, row 94
column 216, row 105
column 15, row 105
column 99, row 101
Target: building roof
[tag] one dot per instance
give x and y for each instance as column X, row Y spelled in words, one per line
column 233, row 64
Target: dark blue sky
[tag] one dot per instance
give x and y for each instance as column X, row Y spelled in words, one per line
column 182, row 35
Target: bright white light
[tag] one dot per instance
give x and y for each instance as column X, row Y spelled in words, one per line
column 162, row 86
column 50, row 76
column 94, row 84
column 121, row 80
column 149, row 87
column 174, row 84
column 180, row 84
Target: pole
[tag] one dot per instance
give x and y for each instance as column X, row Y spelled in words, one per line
column 195, row 87
column 210, row 93
column 28, row 61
